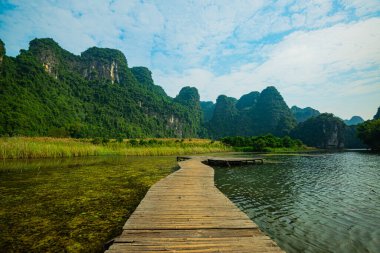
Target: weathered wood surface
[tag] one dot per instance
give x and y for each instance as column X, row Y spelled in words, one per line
column 185, row 212
column 233, row 161
column 224, row 161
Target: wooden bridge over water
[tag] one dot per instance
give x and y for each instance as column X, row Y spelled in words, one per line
column 185, row 212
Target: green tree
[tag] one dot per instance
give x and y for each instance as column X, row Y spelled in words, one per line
column 302, row 114
column 271, row 114
column 323, row 131
column 262, row 142
column 369, row 133
column 223, row 121
column 47, row 90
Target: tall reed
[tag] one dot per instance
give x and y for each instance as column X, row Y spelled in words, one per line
column 43, row 147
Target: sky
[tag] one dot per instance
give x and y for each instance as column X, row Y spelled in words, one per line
column 323, row 54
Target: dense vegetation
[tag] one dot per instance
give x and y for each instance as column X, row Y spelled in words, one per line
column 26, row 147
column 208, row 110
column 351, row 139
column 323, row 131
column 224, row 117
column 47, row 91
column 267, row 142
column 303, row 114
column 253, row 114
column 377, row 115
column 72, row 205
column 369, row 132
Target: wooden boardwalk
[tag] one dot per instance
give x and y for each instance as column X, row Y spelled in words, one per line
column 224, row 161
column 185, row 212
column 233, row 161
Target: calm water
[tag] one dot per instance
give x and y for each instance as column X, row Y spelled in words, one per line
column 326, row 203
column 73, row 204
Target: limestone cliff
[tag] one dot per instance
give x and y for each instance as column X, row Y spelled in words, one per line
column 104, row 64
column 323, row 131
column 47, row 90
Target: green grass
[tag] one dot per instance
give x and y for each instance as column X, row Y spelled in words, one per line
column 72, row 205
column 43, row 147
column 275, row 150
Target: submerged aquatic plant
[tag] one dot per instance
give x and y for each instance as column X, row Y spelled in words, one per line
column 72, row 205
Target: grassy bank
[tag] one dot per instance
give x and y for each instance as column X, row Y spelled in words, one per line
column 265, row 143
column 275, row 150
column 43, row 147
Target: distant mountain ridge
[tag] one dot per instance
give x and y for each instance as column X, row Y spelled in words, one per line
column 253, row 114
column 48, row 91
column 355, row 120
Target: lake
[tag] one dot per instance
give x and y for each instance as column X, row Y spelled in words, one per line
column 327, row 202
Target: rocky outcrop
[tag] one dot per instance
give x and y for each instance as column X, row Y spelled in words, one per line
column 323, row 131
column 332, row 139
column 49, row 53
column 94, row 64
column 104, row 64
column 175, row 125
column 96, row 94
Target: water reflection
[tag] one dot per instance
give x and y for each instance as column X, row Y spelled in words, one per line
column 327, row 203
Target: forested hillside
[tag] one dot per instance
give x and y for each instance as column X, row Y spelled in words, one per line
column 303, row 114
column 47, row 90
column 253, row 114
column 323, row 131
column 369, row 131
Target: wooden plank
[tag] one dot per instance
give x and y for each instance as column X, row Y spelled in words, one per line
column 185, row 212
column 221, row 161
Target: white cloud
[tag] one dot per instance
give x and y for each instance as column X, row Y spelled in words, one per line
column 308, row 67
column 362, row 8
column 194, row 30
column 224, row 46
column 78, row 25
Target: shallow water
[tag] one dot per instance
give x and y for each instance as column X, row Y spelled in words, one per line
column 73, row 204
column 326, row 203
